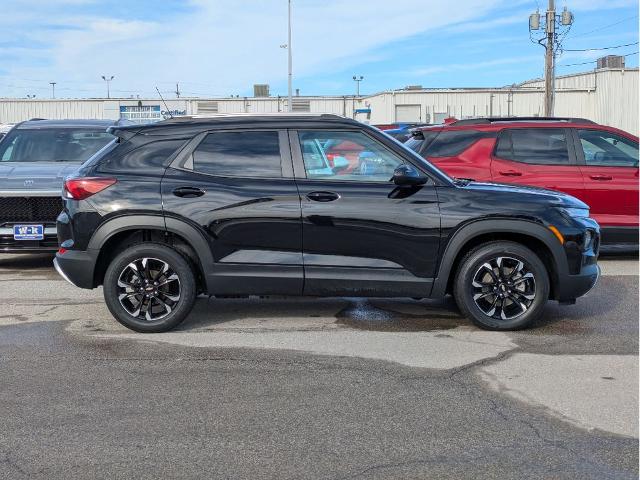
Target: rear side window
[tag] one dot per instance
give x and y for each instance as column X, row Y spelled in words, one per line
column 147, row 157
column 52, row 145
column 451, row 143
column 540, row 146
column 239, row 154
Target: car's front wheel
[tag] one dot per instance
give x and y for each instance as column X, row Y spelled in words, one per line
column 149, row 288
column 502, row 286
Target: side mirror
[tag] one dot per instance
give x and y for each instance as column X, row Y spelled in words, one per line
column 408, row 176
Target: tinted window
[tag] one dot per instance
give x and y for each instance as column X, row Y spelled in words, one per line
column 414, row 144
column 608, row 149
column 543, row 146
column 346, row 156
column 421, row 139
column 152, row 155
column 451, row 143
column 52, row 145
column 239, row 154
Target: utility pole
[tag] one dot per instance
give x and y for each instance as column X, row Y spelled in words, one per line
column 552, row 44
column 549, row 58
column 53, row 89
column 108, row 80
column 177, row 92
column 358, row 79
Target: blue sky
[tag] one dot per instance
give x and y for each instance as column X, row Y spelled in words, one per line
column 223, row 47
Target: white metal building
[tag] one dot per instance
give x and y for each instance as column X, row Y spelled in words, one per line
column 608, row 96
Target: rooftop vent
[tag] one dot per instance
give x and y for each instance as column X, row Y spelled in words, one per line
column 261, row 90
column 611, row 61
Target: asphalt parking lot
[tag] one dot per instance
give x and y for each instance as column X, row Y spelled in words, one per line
column 315, row 388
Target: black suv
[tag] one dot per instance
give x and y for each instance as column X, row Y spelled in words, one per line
column 254, row 205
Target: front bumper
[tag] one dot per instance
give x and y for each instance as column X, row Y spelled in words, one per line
column 9, row 245
column 571, row 287
column 77, row 267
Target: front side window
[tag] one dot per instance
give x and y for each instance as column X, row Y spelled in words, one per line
column 608, row 149
column 239, row 154
column 541, row 146
column 348, row 156
column 52, row 145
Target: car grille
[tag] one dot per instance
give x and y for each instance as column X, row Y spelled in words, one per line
column 30, row 209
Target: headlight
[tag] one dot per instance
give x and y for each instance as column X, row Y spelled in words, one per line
column 576, row 212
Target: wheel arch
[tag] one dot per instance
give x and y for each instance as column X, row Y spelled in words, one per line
column 139, row 228
column 528, row 233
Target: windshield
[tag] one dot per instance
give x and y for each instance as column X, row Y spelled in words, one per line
column 52, row 145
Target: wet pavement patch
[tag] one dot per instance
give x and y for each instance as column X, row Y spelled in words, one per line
column 363, row 314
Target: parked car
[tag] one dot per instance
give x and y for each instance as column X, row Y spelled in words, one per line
column 402, row 134
column 238, row 205
column 595, row 163
column 400, row 131
column 35, row 156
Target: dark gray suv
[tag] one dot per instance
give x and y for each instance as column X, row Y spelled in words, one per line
column 35, row 157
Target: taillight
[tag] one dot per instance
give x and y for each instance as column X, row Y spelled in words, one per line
column 81, row 188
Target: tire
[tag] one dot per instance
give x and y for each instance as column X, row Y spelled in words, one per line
column 510, row 295
column 167, row 302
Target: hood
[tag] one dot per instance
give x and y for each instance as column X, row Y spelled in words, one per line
column 34, row 176
column 525, row 193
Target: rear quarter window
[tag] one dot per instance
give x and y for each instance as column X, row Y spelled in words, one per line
column 150, row 156
column 454, row 142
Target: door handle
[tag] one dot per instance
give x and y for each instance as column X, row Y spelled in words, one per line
column 188, row 192
column 323, row 196
column 510, row 173
column 601, row 177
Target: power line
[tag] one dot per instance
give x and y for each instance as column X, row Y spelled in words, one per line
column 603, row 27
column 601, row 48
column 593, row 61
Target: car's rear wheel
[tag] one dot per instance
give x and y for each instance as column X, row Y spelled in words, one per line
column 501, row 286
column 149, row 288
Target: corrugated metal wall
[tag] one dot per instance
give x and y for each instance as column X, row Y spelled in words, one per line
column 607, row 96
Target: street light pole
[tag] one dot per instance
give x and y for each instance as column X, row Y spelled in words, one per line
column 290, row 60
column 358, row 79
column 53, row 89
column 108, row 80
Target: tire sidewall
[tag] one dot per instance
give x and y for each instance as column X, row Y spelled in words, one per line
column 468, row 268
column 178, row 264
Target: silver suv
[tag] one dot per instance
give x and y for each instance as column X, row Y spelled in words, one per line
column 35, row 157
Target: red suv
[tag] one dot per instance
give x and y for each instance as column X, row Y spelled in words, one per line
column 592, row 162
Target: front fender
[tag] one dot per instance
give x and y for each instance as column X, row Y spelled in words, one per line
column 495, row 226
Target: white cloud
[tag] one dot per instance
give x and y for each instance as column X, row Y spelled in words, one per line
column 222, row 47
column 219, row 47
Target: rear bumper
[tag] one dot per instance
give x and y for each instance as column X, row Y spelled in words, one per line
column 77, row 267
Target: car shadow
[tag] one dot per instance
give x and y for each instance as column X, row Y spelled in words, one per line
column 310, row 313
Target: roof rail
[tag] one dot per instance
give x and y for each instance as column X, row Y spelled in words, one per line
column 487, row 121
